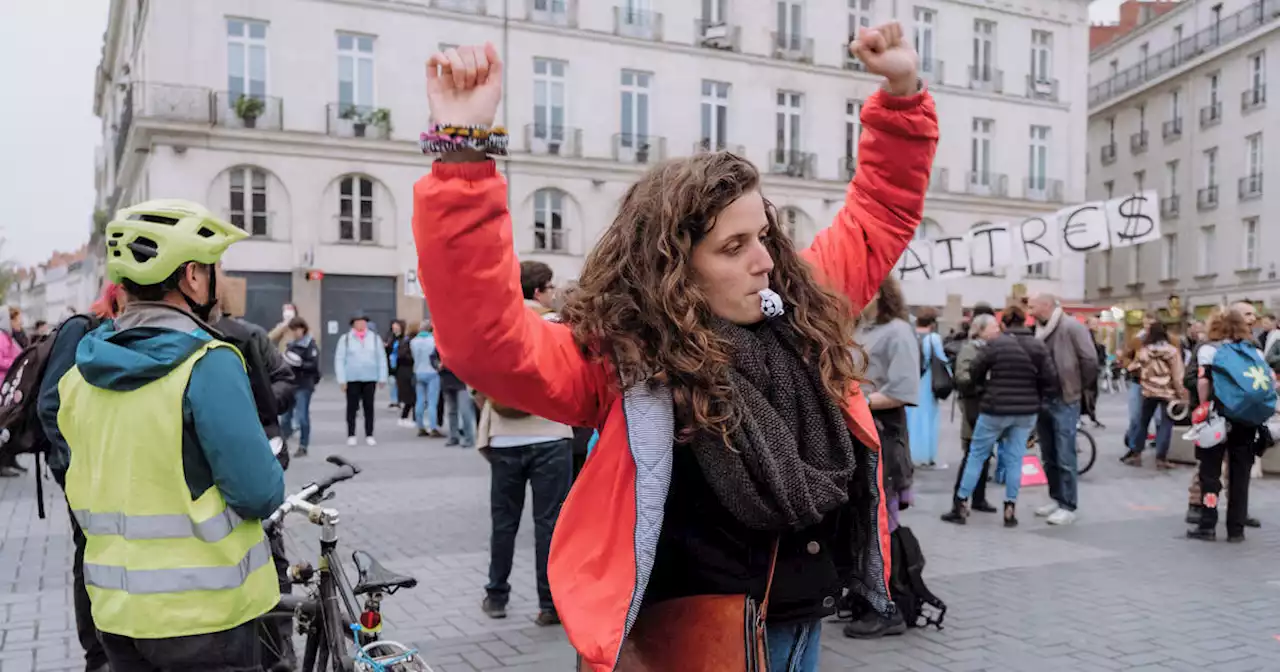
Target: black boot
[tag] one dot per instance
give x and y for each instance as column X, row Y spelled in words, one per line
column 1202, row 534
column 874, row 626
column 1010, row 520
column 959, row 513
column 982, row 506
column 1193, row 514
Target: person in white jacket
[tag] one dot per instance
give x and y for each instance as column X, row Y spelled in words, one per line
column 360, row 365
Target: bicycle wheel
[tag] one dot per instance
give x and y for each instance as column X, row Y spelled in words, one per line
column 1086, row 452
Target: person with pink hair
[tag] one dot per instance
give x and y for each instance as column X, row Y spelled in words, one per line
column 110, row 302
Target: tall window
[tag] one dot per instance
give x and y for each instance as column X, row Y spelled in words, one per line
column 246, row 59
column 713, row 12
column 984, row 50
column 549, row 6
column 1039, row 163
column 860, row 16
column 980, row 164
column 1253, row 154
column 790, row 108
column 1257, row 74
column 1135, row 264
column 1104, row 270
column 355, row 209
column 1175, row 104
column 548, row 99
column 715, row 115
column 548, row 220
column 1211, row 167
column 249, row 200
column 1213, row 88
column 355, row 71
column 1139, row 178
column 635, row 108
column 790, row 25
column 1110, row 187
column 1169, row 269
column 1207, row 243
column 1041, row 56
column 1171, row 185
column 926, row 21
column 1142, row 118
column 1111, row 130
column 852, row 127
column 1250, row 243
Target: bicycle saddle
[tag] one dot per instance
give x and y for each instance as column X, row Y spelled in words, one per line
column 374, row 578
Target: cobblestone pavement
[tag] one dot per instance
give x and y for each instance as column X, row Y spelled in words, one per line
column 1120, row 590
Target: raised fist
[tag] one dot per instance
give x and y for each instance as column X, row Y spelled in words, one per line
column 884, row 51
column 464, row 85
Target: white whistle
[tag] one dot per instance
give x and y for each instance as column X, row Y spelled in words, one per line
column 771, row 304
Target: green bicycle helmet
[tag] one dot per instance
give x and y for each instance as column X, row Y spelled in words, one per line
column 147, row 242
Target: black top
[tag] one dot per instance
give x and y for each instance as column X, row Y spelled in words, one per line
column 1015, row 373
column 704, row 550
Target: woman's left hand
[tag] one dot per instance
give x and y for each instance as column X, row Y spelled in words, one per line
column 885, row 52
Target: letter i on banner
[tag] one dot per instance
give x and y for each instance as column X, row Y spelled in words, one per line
column 1133, row 219
column 950, row 257
column 990, row 248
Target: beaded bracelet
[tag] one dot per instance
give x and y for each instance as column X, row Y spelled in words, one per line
column 452, row 138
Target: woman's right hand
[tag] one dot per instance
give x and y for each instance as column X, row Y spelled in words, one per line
column 464, row 85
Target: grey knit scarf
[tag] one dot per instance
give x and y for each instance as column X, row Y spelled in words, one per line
column 793, row 454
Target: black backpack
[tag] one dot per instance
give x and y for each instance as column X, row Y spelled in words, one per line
column 20, row 428
column 906, row 581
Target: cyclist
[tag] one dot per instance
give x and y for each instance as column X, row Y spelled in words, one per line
column 170, row 471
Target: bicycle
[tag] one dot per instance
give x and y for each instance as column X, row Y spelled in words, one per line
column 1086, row 448
column 338, row 637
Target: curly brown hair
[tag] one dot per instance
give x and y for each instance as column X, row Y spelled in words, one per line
column 1229, row 325
column 637, row 305
column 889, row 303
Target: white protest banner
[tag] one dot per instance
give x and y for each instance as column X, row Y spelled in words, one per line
column 1077, row 229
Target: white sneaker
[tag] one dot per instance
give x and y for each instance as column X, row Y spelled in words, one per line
column 351, row 440
column 408, row 424
column 1047, row 510
column 370, row 441
column 1062, row 517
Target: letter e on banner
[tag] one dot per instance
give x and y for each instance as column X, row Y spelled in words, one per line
column 951, row 257
column 989, row 248
column 1084, row 228
column 1036, row 240
column 1133, row 219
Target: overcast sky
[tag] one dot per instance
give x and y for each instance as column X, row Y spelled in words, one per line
column 48, row 133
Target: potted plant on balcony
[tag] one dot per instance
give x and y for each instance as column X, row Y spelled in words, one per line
column 381, row 118
column 358, row 120
column 249, row 108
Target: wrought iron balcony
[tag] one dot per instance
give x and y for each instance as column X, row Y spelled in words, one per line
column 632, row 148
column 987, row 184
column 1108, row 154
column 1171, row 129
column 791, row 163
column 847, row 167
column 464, row 6
column 1211, row 115
column 1042, row 88
column 1253, row 98
column 1207, row 198
column 1138, row 142
column 986, row 78
column 1042, row 189
column 345, row 120
column 1251, row 186
column 641, row 24
column 791, row 47
column 851, row 62
column 1170, row 206
column 237, row 110
column 721, row 35
column 547, row 140
column 552, row 12
column 708, row 145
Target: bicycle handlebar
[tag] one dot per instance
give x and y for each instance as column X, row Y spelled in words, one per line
column 306, row 499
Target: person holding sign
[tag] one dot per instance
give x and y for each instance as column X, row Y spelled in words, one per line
column 715, row 359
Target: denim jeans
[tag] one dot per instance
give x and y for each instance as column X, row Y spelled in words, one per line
column 460, row 414
column 428, row 385
column 1148, row 409
column 795, row 647
column 1057, row 432
column 1011, row 432
column 547, row 468
column 234, row 650
column 300, row 413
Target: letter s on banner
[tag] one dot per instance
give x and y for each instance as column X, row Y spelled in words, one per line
column 1133, row 219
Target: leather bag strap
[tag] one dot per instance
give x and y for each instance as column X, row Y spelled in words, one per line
column 768, row 586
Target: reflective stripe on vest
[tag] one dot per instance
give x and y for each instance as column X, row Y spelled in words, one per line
column 144, row 581
column 175, row 526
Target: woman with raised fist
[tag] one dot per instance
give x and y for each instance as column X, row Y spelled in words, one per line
column 737, row 457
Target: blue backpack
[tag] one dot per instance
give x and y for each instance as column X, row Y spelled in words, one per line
column 1242, row 384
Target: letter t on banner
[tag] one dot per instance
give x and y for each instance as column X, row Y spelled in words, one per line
column 990, row 248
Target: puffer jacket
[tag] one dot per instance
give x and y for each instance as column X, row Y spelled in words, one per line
column 1160, row 371
column 1015, row 373
column 605, row 541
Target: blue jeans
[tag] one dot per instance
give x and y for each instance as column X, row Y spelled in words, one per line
column 1057, row 431
column 1011, row 432
column 794, row 648
column 301, row 413
column 428, row 385
column 545, row 468
column 460, row 413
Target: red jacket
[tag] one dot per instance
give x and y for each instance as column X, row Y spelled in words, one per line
column 603, row 546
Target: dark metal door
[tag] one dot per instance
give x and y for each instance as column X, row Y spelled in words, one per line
column 341, row 296
column 266, row 294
